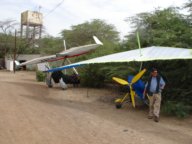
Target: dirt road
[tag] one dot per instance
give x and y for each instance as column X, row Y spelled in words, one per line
column 31, row 113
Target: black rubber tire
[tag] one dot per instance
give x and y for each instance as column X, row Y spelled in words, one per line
column 118, row 105
column 50, row 86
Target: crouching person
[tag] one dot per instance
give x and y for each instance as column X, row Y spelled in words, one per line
column 56, row 78
column 75, row 80
column 63, row 85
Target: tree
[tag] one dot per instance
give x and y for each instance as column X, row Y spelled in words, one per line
column 7, row 29
column 82, row 33
column 51, row 45
column 168, row 27
column 188, row 6
column 6, row 36
column 162, row 27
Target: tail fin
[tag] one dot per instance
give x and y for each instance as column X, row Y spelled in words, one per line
column 97, row 41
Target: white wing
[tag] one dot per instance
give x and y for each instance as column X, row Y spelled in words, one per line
column 146, row 54
column 72, row 52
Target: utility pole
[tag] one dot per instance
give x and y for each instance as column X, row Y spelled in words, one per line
column 15, row 50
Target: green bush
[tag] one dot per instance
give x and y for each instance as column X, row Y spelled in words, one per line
column 178, row 109
column 92, row 77
column 40, row 76
column 97, row 75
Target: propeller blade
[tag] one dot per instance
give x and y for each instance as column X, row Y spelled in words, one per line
column 120, row 81
column 138, row 76
column 132, row 97
column 118, row 100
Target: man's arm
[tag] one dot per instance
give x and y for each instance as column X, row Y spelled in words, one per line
column 162, row 83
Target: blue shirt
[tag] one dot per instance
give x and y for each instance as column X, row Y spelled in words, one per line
column 154, row 85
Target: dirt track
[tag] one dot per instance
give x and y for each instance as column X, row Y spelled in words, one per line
column 31, row 113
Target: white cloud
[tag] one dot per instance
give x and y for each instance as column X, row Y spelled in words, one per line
column 72, row 12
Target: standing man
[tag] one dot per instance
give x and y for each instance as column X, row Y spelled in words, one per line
column 153, row 89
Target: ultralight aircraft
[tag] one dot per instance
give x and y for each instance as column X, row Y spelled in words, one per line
column 72, row 52
column 134, row 84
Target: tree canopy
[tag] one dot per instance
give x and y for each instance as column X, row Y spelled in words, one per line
column 163, row 28
column 82, row 33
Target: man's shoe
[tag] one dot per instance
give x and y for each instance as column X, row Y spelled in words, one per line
column 156, row 119
column 150, row 117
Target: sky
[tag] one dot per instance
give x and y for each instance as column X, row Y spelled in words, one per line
column 72, row 12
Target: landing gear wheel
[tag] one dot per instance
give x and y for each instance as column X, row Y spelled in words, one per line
column 50, row 86
column 118, row 105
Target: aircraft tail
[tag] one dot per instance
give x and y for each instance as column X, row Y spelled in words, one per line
column 97, row 41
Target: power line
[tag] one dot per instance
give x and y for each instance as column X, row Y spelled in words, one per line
column 59, row 4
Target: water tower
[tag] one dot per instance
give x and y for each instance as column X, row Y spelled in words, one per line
column 31, row 23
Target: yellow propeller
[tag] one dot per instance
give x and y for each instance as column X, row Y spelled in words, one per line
column 134, row 80
column 120, row 81
column 138, row 76
column 132, row 96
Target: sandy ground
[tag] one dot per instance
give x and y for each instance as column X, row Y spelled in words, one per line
column 31, row 113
